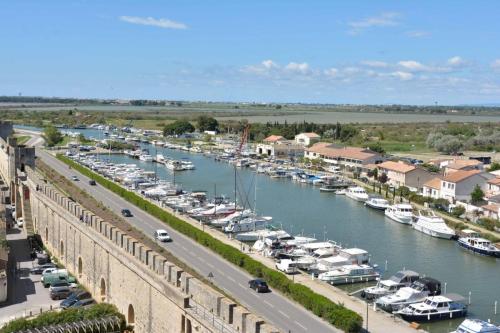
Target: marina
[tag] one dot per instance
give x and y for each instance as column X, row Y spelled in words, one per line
column 349, row 223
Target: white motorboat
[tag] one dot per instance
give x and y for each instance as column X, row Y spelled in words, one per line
column 174, row 165
column 145, row 158
column 433, row 308
column 471, row 241
column 476, row 326
column 341, row 192
column 405, row 296
column 431, row 224
column 350, row 274
column 252, row 236
column 377, row 203
column 351, row 256
column 248, row 224
column 357, row 193
column 237, row 215
column 402, row 213
column 390, row 286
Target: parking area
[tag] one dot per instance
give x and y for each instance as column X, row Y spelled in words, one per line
column 26, row 292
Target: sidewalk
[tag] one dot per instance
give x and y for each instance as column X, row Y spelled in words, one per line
column 26, row 293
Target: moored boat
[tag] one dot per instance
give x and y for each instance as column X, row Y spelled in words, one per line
column 471, row 241
column 433, row 308
column 357, row 193
column 431, row 224
column 377, row 203
column 476, row 326
column 350, row 274
column 402, row 213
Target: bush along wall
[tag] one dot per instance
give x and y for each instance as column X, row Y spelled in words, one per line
column 336, row 314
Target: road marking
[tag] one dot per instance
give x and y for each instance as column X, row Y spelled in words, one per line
column 231, row 279
column 284, row 314
column 296, row 322
column 269, row 304
column 210, row 265
column 242, row 286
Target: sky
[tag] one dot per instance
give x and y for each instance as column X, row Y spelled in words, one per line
column 357, row 52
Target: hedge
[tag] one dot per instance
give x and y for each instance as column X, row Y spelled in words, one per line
column 62, row 317
column 335, row 314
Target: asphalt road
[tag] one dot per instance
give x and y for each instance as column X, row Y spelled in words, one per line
column 273, row 307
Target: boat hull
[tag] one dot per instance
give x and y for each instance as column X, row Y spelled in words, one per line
column 433, row 316
column 351, row 279
column 431, row 232
column 369, row 204
column 399, row 219
column 480, row 251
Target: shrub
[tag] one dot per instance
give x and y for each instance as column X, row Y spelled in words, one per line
column 66, row 316
column 335, row 314
column 458, row 211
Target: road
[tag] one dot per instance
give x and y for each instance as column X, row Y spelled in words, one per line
column 273, row 307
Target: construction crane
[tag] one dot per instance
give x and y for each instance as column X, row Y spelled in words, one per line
column 243, row 140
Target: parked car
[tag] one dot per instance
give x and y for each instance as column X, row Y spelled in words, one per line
column 287, row 266
column 74, row 178
column 364, row 179
column 92, row 182
column 60, row 293
column 162, row 235
column 41, row 268
column 75, row 297
column 20, row 222
column 82, row 303
column 258, row 285
column 63, row 284
column 126, row 213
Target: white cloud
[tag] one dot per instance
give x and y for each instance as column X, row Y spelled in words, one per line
column 412, row 65
column 404, row 76
column 331, row 72
column 160, row 23
column 418, row 34
column 375, row 63
column 302, row 68
column 496, row 64
column 269, row 64
column 456, row 61
column 383, row 20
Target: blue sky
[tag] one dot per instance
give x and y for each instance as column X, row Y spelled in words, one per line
column 412, row 52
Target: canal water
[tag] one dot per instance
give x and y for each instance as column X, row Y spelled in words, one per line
column 300, row 208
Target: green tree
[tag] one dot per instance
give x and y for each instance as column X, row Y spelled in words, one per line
column 52, row 135
column 383, row 178
column 458, row 211
column 476, row 195
column 178, row 127
column 205, row 123
column 377, row 147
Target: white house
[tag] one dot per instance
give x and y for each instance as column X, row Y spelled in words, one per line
column 403, row 174
column 458, row 185
column 277, row 146
column 432, row 188
column 307, row 139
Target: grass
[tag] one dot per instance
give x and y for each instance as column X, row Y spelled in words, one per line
column 22, row 139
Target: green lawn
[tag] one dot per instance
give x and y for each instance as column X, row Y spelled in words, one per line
column 22, row 139
column 396, row 147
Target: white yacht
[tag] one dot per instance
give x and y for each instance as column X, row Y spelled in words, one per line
column 377, row 203
column 431, row 224
column 350, row 274
column 417, row 292
column 476, row 326
column 248, row 224
column 402, row 213
column 357, row 193
column 237, row 215
column 433, row 308
column 174, row 165
column 390, row 286
column 145, row 158
column 251, row 236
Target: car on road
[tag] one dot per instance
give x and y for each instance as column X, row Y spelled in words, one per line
column 74, row 178
column 82, row 303
column 75, row 297
column 41, row 268
column 92, row 182
column 60, row 293
column 162, row 235
column 259, row 285
column 126, row 213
